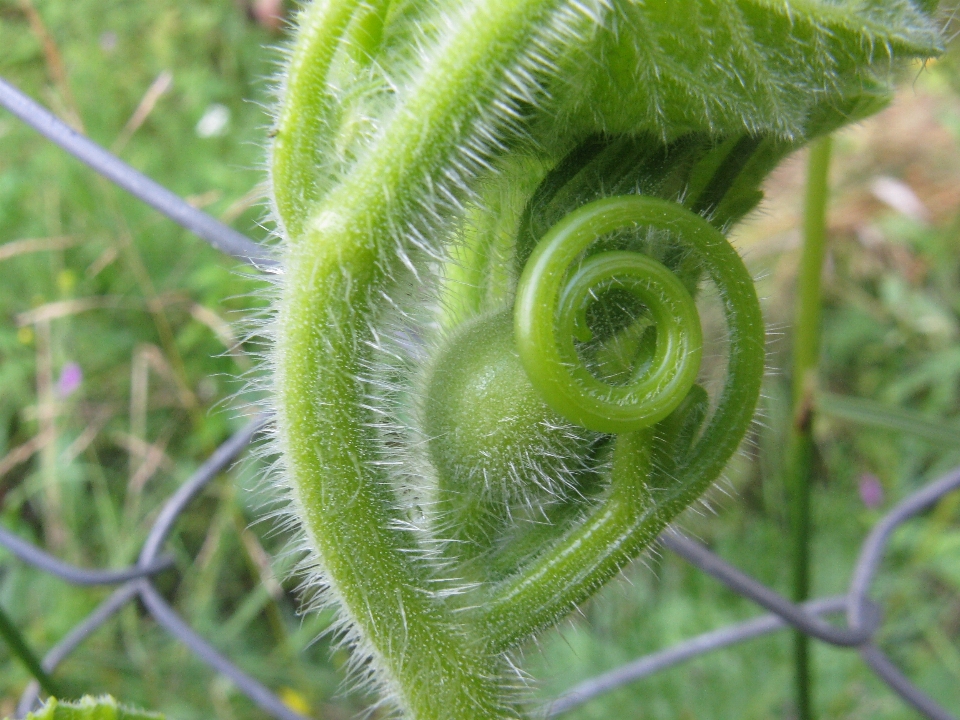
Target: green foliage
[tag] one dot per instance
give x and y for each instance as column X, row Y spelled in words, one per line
column 890, row 338
column 90, row 708
column 109, row 261
column 725, row 67
column 418, row 151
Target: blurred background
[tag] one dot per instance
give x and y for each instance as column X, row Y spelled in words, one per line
column 119, row 351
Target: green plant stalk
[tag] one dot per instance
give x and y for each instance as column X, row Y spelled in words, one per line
column 18, row 646
column 334, row 272
column 408, row 129
column 806, row 353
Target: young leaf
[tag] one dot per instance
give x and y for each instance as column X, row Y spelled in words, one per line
column 90, row 708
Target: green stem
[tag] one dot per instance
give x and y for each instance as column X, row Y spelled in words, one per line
column 402, row 130
column 334, row 269
column 298, row 146
column 18, row 646
column 806, row 353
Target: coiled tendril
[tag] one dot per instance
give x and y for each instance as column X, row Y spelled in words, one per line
column 663, row 454
column 551, row 312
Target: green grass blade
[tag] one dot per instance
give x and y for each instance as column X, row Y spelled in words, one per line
column 18, row 646
column 875, row 414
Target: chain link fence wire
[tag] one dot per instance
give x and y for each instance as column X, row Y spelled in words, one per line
column 863, row 617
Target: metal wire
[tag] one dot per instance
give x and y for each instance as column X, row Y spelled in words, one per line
column 863, row 616
column 222, row 237
column 696, row 554
column 683, row 651
column 74, row 575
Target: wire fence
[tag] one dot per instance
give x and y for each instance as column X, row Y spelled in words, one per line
column 863, row 617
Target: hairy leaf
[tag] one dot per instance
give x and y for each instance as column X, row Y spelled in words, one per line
column 90, row 708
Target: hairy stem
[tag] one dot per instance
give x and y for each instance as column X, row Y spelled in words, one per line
column 497, row 216
column 333, row 269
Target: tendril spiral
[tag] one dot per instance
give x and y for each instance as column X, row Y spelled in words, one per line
column 552, row 303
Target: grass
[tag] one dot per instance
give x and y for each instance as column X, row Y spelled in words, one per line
column 145, row 310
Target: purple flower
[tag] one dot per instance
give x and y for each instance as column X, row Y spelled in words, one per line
column 871, row 491
column 70, row 378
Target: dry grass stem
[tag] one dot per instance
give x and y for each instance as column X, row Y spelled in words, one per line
column 31, row 245
column 158, row 88
column 55, row 66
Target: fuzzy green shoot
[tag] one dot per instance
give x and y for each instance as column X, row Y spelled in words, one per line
column 498, row 220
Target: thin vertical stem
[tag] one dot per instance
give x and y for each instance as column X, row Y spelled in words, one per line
column 806, row 348
column 806, row 353
column 18, row 646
